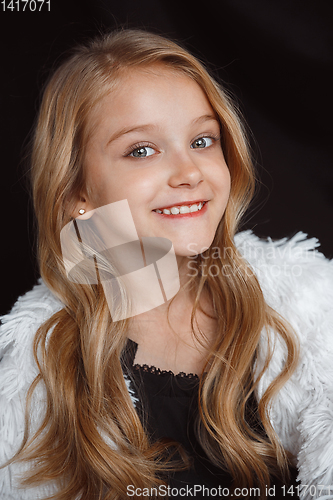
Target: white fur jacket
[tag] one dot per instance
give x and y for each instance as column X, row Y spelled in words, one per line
column 297, row 281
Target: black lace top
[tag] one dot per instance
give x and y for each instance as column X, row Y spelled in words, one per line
column 168, row 409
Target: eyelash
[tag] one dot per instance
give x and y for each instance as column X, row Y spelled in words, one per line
column 215, row 138
column 139, row 145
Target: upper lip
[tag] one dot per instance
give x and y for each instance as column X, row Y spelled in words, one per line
column 181, row 203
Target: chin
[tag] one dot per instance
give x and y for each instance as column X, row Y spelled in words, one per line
column 193, row 247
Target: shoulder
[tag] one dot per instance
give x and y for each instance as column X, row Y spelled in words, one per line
column 17, row 371
column 297, row 281
column 30, row 310
column 17, row 331
column 287, row 267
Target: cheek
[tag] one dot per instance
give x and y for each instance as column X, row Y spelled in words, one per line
column 105, row 184
column 227, row 182
column 110, row 185
column 101, row 192
column 222, row 181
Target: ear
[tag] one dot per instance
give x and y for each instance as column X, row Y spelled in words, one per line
column 82, row 209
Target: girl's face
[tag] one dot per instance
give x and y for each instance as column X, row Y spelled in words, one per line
column 156, row 143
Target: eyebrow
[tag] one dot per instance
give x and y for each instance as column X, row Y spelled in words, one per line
column 151, row 126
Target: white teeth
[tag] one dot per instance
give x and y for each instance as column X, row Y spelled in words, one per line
column 184, row 209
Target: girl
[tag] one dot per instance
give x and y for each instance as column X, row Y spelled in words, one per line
column 221, row 389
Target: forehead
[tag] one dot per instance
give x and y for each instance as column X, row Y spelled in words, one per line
column 154, row 91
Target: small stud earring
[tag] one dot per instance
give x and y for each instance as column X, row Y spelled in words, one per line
column 82, row 211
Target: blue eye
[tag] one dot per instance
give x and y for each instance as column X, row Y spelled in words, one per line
column 142, row 152
column 202, row 142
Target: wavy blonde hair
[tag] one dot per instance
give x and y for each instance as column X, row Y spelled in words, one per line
column 78, row 350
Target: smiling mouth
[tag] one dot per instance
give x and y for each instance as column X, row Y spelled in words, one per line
column 182, row 209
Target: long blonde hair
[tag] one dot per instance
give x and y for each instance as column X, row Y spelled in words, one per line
column 78, row 350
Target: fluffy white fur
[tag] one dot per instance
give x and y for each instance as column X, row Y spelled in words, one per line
column 297, row 281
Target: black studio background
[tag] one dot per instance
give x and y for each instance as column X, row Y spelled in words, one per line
column 274, row 55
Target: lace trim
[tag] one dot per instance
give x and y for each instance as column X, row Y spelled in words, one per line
column 158, row 371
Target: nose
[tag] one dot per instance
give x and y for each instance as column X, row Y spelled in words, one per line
column 184, row 171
